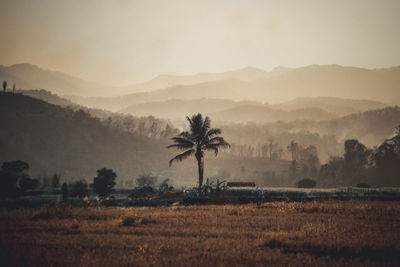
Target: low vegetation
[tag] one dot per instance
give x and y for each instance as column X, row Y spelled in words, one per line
column 317, row 233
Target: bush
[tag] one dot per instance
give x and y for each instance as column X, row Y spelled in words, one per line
column 146, row 180
column 79, row 189
column 363, row 185
column 147, row 221
column 132, row 221
column 165, row 187
column 142, row 192
column 11, row 174
column 306, row 183
column 26, row 183
column 128, row 221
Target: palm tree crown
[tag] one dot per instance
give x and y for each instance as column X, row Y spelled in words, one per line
column 198, row 139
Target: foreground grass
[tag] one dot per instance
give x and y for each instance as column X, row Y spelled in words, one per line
column 276, row 233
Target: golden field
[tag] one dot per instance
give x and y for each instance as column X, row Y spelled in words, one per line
column 339, row 233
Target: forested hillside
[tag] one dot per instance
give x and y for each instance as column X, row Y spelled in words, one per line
column 370, row 127
column 55, row 139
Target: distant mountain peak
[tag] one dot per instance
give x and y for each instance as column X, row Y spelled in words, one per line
column 24, row 67
column 251, row 68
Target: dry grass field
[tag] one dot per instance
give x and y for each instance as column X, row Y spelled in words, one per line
column 344, row 233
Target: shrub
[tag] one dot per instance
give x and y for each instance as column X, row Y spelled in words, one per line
column 165, row 187
column 26, row 183
column 363, row 185
column 146, row 180
column 147, row 221
column 306, row 183
column 11, row 174
column 128, row 221
column 79, row 189
column 142, row 192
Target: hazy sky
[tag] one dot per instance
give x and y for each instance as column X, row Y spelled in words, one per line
column 122, row 41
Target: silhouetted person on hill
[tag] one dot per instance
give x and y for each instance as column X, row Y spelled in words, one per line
column 4, row 86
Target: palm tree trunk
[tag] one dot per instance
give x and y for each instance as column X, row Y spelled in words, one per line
column 200, row 164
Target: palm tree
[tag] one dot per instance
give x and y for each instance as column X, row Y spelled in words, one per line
column 200, row 138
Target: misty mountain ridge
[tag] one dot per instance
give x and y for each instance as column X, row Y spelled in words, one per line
column 264, row 113
column 165, row 80
column 252, row 111
column 178, row 108
column 278, row 85
column 29, row 76
column 382, row 85
column 332, row 81
column 225, row 110
column 335, row 105
column 322, row 108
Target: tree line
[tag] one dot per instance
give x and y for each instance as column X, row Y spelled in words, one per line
column 16, row 181
column 360, row 164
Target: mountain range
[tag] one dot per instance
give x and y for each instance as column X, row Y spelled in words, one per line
column 279, row 85
column 164, row 81
column 315, row 109
column 381, row 85
column 28, row 76
column 319, row 108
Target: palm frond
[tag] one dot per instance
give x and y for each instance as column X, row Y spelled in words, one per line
column 180, row 146
column 187, row 135
column 182, row 140
column 182, row 156
column 216, row 139
column 206, row 124
column 190, row 121
column 208, row 136
column 213, row 148
column 218, row 143
column 213, row 132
